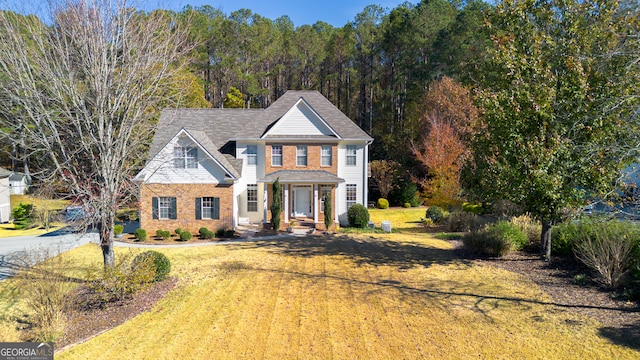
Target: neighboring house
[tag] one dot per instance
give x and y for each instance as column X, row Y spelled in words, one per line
column 19, row 183
column 5, row 195
column 215, row 168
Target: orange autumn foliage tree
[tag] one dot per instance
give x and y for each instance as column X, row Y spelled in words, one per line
column 447, row 124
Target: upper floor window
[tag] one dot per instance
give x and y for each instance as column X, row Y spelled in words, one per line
column 252, row 197
column 301, row 155
column 325, row 155
column 252, row 154
column 276, row 155
column 351, row 195
column 351, row 155
column 185, row 157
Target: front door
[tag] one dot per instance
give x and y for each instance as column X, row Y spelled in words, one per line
column 302, row 201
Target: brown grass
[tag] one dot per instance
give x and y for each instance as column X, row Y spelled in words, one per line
column 347, row 297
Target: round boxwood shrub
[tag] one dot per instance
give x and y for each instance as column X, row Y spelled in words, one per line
column 161, row 264
column 358, row 216
column 141, row 234
column 206, row 233
column 406, row 205
column 435, row 214
column 382, row 203
column 185, row 235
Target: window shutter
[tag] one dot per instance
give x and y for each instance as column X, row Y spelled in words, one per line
column 154, row 208
column 173, row 213
column 215, row 213
column 198, row 208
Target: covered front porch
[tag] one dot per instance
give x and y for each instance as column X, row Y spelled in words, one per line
column 303, row 196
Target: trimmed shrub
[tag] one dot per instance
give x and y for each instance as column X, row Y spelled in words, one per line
column 276, row 204
column 157, row 261
column 358, row 216
column 464, row 222
column 206, row 233
column 178, row 231
column 229, row 233
column 164, row 234
column 141, row 234
column 118, row 229
column 406, row 205
column 220, row 233
column 328, row 218
column 472, row 208
column 435, row 214
column 185, row 235
column 382, row 203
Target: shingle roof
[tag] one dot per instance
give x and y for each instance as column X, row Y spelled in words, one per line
column 204, row 140
column 302, row 176
column 222, row 125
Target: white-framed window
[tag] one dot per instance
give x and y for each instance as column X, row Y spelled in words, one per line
column 301, row 155
column 252, row 154
column 164, row 207
column 352, row 153
column 210, row 208
column 185, row 157
column 325, row 155
column 276, row 155
column 252, row 197
column 352, row 191
column 324, row 190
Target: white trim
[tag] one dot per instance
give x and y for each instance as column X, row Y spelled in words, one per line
column 171, row 142
column 291, row 109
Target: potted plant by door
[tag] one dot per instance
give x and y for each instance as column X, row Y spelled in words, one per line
column 292, row 224
column 117, row 231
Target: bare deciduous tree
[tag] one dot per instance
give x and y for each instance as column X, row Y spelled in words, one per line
column 87, row 88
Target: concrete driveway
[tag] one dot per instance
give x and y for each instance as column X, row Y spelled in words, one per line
column 15, row 251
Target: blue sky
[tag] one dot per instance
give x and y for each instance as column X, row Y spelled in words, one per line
column 301, row 12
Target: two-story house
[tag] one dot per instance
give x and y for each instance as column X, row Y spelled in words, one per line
column 215, row 168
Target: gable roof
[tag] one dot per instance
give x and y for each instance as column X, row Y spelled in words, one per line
column 224, row 125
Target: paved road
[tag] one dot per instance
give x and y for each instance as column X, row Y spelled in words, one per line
column 16, row 252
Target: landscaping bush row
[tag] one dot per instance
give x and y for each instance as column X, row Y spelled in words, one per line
column 184, row 235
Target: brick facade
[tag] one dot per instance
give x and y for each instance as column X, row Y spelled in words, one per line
column 313, row 158
column 186, row 195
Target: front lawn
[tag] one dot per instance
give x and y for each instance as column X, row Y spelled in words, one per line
column 400, row 218
column 373, row 296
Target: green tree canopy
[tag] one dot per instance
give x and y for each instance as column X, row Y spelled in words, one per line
column 557, row 122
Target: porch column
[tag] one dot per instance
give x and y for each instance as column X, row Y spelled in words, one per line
column 286, row 203
column 315, row 203
column 264, row 203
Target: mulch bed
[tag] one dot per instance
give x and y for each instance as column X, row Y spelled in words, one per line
column 85, row 323
column 569, row 283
